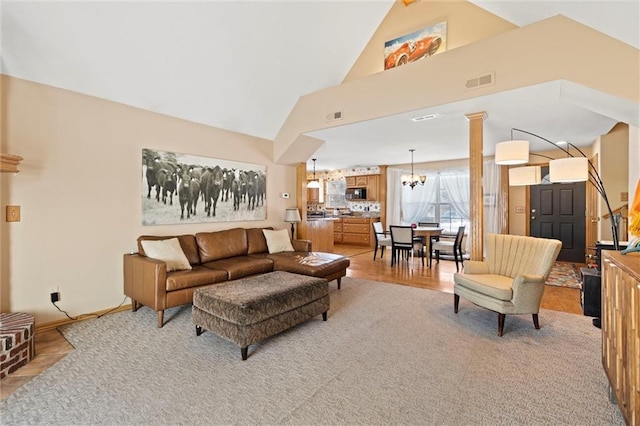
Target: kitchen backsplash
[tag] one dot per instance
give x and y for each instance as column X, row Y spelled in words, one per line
column 360, row 206
column 341, row 174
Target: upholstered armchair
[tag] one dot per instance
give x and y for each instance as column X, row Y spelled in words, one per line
column 511, row 278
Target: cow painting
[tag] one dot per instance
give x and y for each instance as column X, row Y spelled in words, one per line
column 207, row 189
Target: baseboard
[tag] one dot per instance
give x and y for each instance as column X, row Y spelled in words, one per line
column 92, row 315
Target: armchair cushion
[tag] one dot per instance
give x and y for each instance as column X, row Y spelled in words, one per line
column 496, row 286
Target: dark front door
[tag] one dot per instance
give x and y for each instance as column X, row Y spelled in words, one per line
column 558, row 211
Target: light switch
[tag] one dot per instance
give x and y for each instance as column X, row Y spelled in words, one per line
column 13, row 213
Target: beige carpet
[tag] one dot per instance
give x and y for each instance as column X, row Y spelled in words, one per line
column 388, row 354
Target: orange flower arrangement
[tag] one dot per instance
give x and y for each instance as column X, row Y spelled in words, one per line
column 634, row 213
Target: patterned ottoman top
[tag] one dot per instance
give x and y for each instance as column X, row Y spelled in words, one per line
column 254, row 299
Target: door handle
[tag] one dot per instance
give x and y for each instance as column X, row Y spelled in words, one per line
column 533, row 218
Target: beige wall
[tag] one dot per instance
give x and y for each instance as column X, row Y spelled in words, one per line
column 80, row 192
column 614, row 171
column 466, row 23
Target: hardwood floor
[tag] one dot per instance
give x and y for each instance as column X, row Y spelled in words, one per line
column 51, row 346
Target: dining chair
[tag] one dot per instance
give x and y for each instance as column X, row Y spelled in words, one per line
column 382, row 239
column 404, row 242
column 449, row 245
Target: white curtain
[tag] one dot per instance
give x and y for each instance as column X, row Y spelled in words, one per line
column 492, row 202
column 456, row 183
column 417, row 202
column 394, row 198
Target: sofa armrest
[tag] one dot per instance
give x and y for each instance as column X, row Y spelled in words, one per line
column 527, row 292
column 145, row 280
column 476, row 267
column 301, row 245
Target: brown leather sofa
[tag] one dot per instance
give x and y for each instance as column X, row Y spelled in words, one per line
column 216, row 257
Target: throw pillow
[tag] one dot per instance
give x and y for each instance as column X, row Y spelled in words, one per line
column 169, row 251
column 278, row 241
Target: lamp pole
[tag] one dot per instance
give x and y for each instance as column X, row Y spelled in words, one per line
column 595, row 180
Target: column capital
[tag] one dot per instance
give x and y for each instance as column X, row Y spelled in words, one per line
column 476, row 116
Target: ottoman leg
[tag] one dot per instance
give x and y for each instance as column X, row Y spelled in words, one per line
column 324, row 316
column 198, row 330
column 243, row 352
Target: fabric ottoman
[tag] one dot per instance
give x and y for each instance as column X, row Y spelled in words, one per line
column 251, row 309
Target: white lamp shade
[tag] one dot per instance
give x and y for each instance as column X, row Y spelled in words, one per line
column 572, row 169
column 292, row 215
column 512, row 152
column 313, row 184
column 523, row 176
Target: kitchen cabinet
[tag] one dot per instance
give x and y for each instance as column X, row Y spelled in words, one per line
column 372, row 187
column 354, row 230
column 313, row 195
column 356, row 181
column 365, row 181
column 337, row 230
column 621, row 330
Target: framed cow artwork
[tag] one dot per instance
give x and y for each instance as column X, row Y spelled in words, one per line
column 184, row 188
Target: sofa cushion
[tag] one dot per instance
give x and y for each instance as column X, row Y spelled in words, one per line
column 222, row 244
column 198, row 276
column 187, row 242
column 256, row 241
column 278, row 241
column 495, row 286
column 315, row 264
column 169, row 251
column 241, row 266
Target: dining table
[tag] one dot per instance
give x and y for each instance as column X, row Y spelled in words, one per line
column 427, row 232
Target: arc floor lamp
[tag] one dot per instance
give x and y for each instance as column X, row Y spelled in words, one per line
column 573, row 168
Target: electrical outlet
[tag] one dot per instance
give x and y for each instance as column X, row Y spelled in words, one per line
column 55, row 296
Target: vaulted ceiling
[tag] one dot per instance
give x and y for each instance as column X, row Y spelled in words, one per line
column 242, row 65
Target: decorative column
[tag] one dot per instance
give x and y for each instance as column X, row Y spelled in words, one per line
column 301, row 198
column 476, row 234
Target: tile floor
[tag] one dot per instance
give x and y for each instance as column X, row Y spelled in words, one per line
column 51, row 347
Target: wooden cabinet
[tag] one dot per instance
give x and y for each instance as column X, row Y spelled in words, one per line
column 337, row 231
column 365, row 181
column 356, row 181
column 372, row 188
column 353, row 230
column 313, row 195
column 621, row 330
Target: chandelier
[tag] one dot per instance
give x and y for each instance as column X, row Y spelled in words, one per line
column 314, row 183
column 413, row 179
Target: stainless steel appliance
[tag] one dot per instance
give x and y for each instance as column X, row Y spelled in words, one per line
column 353, row 194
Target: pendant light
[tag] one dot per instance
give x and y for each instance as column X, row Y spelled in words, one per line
column 413, row 179
column 313, row 183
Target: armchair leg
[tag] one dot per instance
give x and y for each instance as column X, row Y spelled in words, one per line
column 375, row 250
column 536, row 324
column 456, row 303
column 160, row 318
column 501, row 324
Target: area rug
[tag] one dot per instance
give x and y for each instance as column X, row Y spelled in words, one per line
column 564, row 274
column 388, row 354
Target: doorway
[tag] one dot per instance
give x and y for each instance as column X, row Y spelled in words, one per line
column 558, row 211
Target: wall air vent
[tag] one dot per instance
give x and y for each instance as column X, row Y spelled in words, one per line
column 334, row 116
column 480, row 81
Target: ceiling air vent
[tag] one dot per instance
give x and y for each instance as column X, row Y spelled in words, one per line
column 334, row 116
column 483, row 80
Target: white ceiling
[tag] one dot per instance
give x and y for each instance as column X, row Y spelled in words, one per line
column 242, row 65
